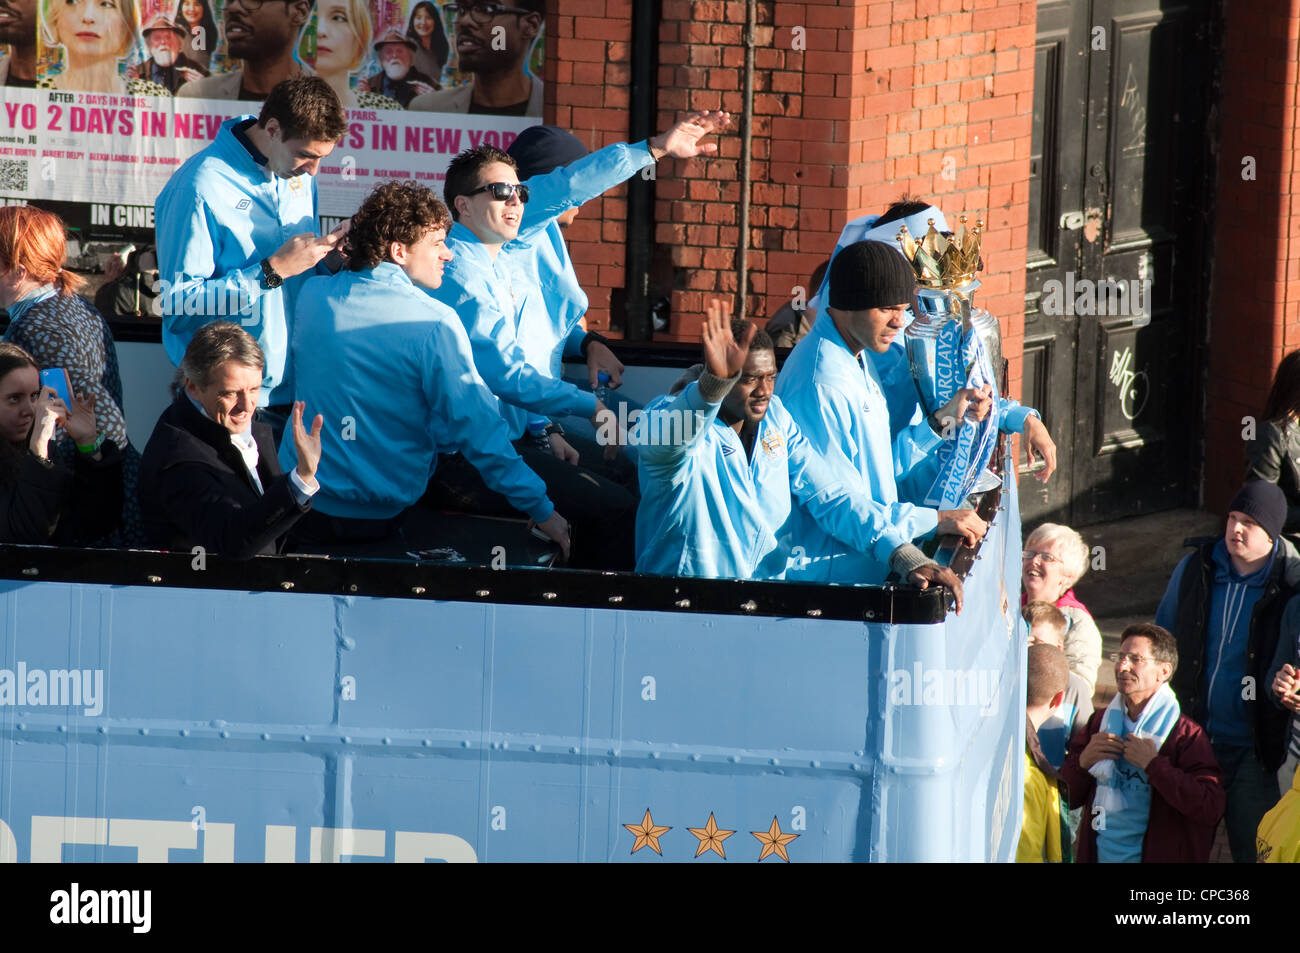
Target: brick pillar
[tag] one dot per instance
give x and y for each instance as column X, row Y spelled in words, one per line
column 855, row 104
column 1254, row 312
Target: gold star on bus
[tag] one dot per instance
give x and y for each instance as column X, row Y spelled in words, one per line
column 774, row 841
column 711, row 837
column 647, row 835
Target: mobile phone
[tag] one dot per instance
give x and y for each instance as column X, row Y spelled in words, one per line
column 57, row 378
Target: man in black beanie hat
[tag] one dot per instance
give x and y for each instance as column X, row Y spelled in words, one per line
column 1232, row 608
column 835, row 396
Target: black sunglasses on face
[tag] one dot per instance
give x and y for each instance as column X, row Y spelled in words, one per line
column 501, row 191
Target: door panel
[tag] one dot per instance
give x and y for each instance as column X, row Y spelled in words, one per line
column 1126, row 317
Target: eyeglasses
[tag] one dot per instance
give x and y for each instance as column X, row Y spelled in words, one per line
column 1029, row 555
column 1134, row 660
column 750, row 380
column 501, row 191
column 482, row 12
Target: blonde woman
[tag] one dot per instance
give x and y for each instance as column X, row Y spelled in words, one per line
column 1054, row 559
column 96, row 36
column 342, row 38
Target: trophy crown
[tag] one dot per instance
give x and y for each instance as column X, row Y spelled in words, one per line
column 943, row 262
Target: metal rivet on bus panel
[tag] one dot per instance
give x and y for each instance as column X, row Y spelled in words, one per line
column 613, row 752
column 615, row 599
column 415, row 590
column 735, row 759
column 856, row 767
column 103, row 729
column 683, row 603
column 266, row 736
column 696, row 756
column 870, row 613
column 537, row 747
column 815, row 613
column 573, row 750
column 482, row 593
column 814, row 764
column 21, row 726
column 62, row 728
column 185, row 732
column 427, row 742
column 352, row 588
column 348, row 643
column 31, row 572
column 388, row 741
column 286, row 585
column 225, row 734
column 346, row 739
column 749, row 606
column 548, row 595
column 306, row 737
column 144, row 731
column 464, row 744
column 154, row 578
column 776, row 761
column 654, row 754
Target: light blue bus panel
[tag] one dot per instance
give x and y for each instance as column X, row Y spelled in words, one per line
column 311, row 710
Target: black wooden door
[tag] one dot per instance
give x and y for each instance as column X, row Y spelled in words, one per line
column 1116, row 271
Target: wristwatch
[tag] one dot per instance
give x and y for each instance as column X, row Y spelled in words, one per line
column 269, row 278
column 553, row 428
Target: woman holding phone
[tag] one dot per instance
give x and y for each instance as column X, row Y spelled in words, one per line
column 42, row 501
column 61, row 329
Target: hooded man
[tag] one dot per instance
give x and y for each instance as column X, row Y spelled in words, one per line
column 1227, row 605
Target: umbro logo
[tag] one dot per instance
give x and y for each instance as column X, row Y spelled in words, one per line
column 242, row 204
column 728, row 450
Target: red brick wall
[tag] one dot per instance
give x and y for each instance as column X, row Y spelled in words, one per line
column 1255, row 301
column 929, row 97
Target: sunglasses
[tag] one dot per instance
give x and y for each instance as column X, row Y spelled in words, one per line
column 501, row 191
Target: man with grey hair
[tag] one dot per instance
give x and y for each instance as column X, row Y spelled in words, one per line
column 210, row 478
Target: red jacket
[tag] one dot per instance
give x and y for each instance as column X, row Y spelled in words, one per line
column 1187, row 796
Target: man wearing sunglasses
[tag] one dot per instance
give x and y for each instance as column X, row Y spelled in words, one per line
column 1229, row 604
column 492, row 42
column 518, row 300
column 261, row 34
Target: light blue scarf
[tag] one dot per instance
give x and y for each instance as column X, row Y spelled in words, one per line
column 29, row 300
column 1156, row 720
column 962, row 361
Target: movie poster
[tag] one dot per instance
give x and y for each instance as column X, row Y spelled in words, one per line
column 103, row 99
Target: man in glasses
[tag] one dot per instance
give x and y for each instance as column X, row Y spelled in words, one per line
column 519, row 299
column 721, row 463
column 223, row 218
column 492, row 42
column 1231, row 605
column 1143, row 768
column 262, row 34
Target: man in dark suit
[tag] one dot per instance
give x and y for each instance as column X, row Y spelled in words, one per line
column 210, row 477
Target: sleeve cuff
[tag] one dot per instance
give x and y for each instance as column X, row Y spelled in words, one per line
column 1014, row 417
column 908, row 558
column 714, row 389
column 302, row 490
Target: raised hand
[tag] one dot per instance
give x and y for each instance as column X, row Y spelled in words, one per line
column 307, row 444
column 48, row 408
column 724, row 356
column 682, row 141
column 1037, row 439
